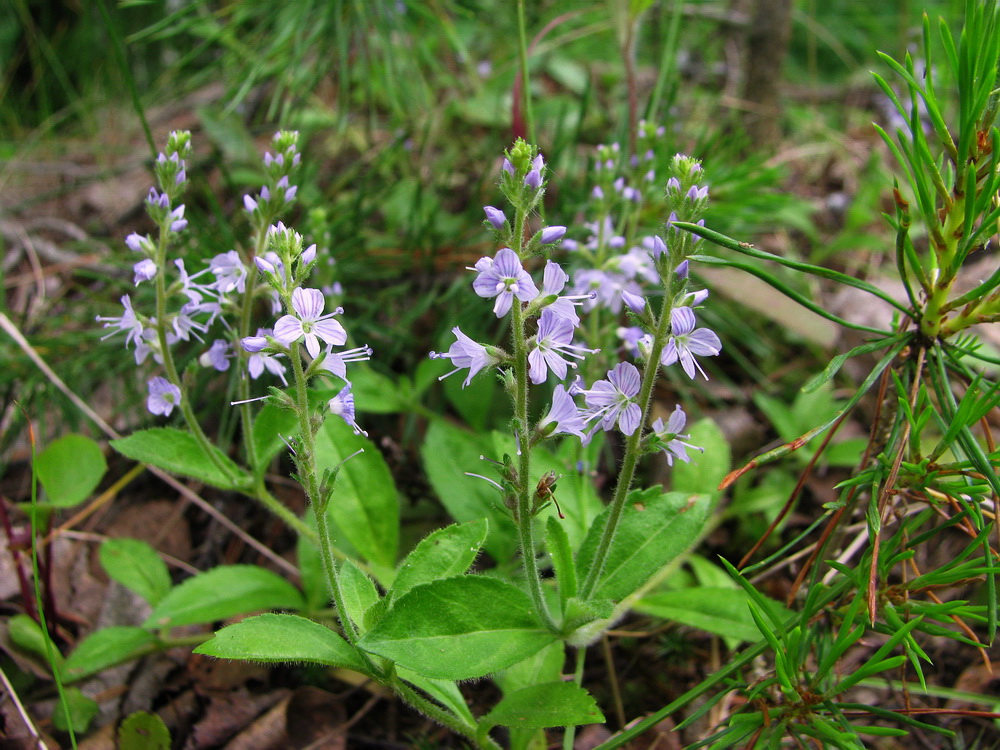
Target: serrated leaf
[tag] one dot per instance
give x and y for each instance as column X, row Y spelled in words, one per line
column 280, row 639
column 654, row 528
column 223, row 592
column 444, row 553
column 551, row 704
column 459, row 628
column 104, row 648
column 136, row 566
column 364, row 509
column 143, row 731
column 69, row 469
column 179, row 452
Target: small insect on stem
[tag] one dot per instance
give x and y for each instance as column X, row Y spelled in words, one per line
column 545, row 491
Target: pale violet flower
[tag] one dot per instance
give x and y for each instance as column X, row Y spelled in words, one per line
column 552, row 345
column 343, row 406
column 686, row 342
column 495, row 216
column 503, row 277
column 259, row 360
column 465, row 353
column 309, row 322
column 230, row 273
column 669, row 437
column 217, row 356
column 565, row 415
column 336, row 362
column 163, row 396
column 613, row 400
column 127, row 322
column 145, row 270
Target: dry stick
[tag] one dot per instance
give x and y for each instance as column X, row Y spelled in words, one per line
column 39, row 742
column 189, row 494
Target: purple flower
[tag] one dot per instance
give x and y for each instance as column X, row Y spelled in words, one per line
column 137, row 243
column 177, row 220
column 309, row 322
column 659, row 247
column 258, row 360
column 163, row 396
column 144, row 271
column 495, row 216
column 553, row 281
column 612, row 400
column 564, row 414
column 263, row 265
column 217, row 356
column 249, row 204
column 336, row 362
column 128, row 322
column 230, row 273
column 552, row 344
column 634, row 302
column 670, row 437
column 343, row 406
column 465, row 353
column 551, row 234
column 686, row 342
column 504, row 278
column 308, row 255
column 254, row 344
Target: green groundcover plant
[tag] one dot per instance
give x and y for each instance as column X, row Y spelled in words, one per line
column 537, row 566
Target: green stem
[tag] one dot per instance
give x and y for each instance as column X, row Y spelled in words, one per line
column 632, row 450
column 529, row 118
column 168, row 361
column 438, row 714
column 581, row 658
column 306, row 464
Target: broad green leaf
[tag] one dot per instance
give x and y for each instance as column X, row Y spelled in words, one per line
column 459, row 628
column 557, row 543
column 282, row 638
column 69, row 469
column 268, row 427
column 707, row 468
column 445, row 692
column 104, row 648
column 723, row 611
column 448, row 452
column 545, row 666
column 314, row 582
column 136, row 566
column 374, row 393
column 27, row 635
column 143, row 731
column 364, row 508
column 551, row 704
column 81, row 711
column 654, row 528
column 179, row 452
column 223, row 592
column 359, row 592
column 444, row 553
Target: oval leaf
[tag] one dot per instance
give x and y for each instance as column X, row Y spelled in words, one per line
column 459, row 628
column 654, row 528
column 223, row 592
column 69, row 469
column 359, row 592
column 179, row 452
column 551, row 704
column 137, row 567
column 143, row 731
column 104, row 648
column 282, row 638
column 445, row 553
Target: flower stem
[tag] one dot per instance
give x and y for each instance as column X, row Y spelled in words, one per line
column 632, row 450
column 435, row 712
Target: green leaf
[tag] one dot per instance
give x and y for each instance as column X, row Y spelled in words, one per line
column 223, row 592
column 445, row 692
column 723, row 611
column 28, row 636
column 444, row 553
column 364, row 508
column 81, row 711
column 283, row 638
column 706, row 469
column 69, row 469
column 448, row 452
column 459, row 628
column 180, row 452
column 545, row 666
column 551, row 704
column 374, row 393
column 654, row 528
column 314, row 583
column 359, row 592
column 557, row 543
column 104, row 648
column 143, row 731
column 270, row 424
column 136, row 566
